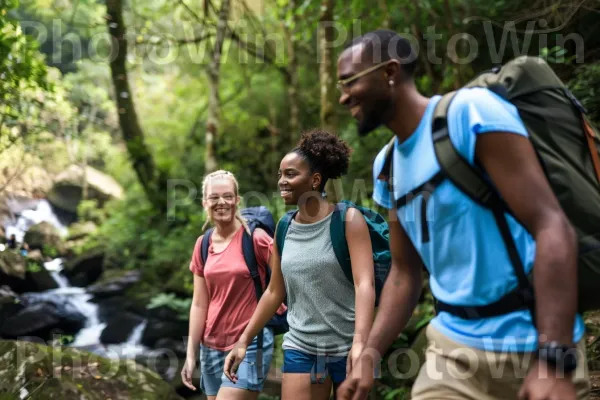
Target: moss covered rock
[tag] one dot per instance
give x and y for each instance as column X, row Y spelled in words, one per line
column 44, row 235
column 45, row 372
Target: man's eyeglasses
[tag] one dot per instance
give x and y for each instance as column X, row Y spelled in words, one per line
column 343, row 84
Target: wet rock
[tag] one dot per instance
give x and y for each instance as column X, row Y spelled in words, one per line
column 44, row 236
column 119, row 327
column 117, row 285
column 86, row 268
column 42, row 320
column 68, row 187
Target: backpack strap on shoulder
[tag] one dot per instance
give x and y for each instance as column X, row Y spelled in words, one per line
column 472, row 182
column 252, row 264
column 387, row 171
column 282, row 228
column 204, row 245
column 338, row 238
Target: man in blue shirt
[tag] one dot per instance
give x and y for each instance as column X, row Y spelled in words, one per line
column 459, row 242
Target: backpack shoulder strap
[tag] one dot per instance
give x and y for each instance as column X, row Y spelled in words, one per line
column 251, row 263
column 467, row 178
column 338, row 238
column 387, row 171
column 204, row 245
column 472, row 182
column 282, row 228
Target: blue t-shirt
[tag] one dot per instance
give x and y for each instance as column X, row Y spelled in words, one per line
column 465, row 255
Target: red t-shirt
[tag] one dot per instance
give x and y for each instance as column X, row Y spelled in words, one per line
column 231, row 293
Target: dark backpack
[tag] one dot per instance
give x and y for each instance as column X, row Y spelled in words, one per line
column 568, row 148
column 256, row 217
column 378, row 231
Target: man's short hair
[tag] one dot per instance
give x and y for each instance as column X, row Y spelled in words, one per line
column 383, row 44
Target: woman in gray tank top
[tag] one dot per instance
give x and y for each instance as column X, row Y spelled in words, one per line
column 329, row 317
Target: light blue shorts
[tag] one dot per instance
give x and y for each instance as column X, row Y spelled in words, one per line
column 212, row 363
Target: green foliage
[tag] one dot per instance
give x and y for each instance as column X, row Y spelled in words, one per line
column 88, row 210
column 33, row 267
column 585, row 85
column 180, row 306
column 50, row 250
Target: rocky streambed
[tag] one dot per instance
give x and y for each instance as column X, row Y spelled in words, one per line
column 72, row 302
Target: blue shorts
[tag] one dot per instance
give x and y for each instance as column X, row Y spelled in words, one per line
column 212, row 363
column 295, row 361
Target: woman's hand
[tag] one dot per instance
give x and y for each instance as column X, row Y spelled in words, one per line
column 233, row 360
column 188, row 371
column 355, row 351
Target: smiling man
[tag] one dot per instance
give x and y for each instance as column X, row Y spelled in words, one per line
column 495, row 355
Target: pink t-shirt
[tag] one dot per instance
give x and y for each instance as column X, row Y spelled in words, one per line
column 231, row 293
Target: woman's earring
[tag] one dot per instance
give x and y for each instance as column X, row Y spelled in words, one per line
column 391, row 82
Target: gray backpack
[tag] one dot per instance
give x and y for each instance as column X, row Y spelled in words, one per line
column 568, row 148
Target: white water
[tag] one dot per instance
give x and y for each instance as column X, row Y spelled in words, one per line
column 132, row 347
column 77, row 298
column 27, row 218
column 55, row 267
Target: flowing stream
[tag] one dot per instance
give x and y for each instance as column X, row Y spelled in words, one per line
column 76, row 299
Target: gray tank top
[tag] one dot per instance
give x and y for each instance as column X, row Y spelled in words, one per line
column 320, row 297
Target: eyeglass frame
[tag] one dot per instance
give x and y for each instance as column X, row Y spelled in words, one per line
column 341, row 83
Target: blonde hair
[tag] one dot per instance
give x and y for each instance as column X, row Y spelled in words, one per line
column 220, row 174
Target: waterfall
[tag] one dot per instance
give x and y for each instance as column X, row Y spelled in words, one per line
column 43, row 212
column 71, row 299
column 55, row 267
column 90, row 334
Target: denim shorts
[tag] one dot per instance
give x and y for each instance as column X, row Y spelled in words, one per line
column 212, row 363
column 295, row 361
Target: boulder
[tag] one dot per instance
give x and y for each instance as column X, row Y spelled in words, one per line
column 10, row 303
column 160, row 329
column 42, row 320
column 12, row 264
column 13, row 269
column 119, row 328
column 66, row 193
column 22, row 274
column 116, row 285
column 73, row 374
column 43, row 234
column 80, row 230
column 36, row 256
column 86, row 268
column 40, row 279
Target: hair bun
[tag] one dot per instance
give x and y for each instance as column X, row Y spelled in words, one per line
column 327, row 153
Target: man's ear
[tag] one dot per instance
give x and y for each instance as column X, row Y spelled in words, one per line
column 393, row 71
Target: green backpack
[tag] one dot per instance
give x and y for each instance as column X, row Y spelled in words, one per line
column 378, row 232
column 568, row 148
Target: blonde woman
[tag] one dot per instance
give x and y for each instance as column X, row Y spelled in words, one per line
column 225, row 298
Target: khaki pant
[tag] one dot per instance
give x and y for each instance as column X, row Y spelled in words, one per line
column 454, row 371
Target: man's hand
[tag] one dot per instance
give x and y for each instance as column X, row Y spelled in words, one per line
column 360, row 381
column 542, row 383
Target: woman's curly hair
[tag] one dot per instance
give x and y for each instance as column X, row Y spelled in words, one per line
column 325, row 153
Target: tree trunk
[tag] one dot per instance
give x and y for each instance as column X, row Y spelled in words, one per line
column 326, row 72
column 386, row 12
column 214, row 102
column 423, row 55
column 451, row 32
column 151, row 179
column 292, row 78
column 326, row 36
